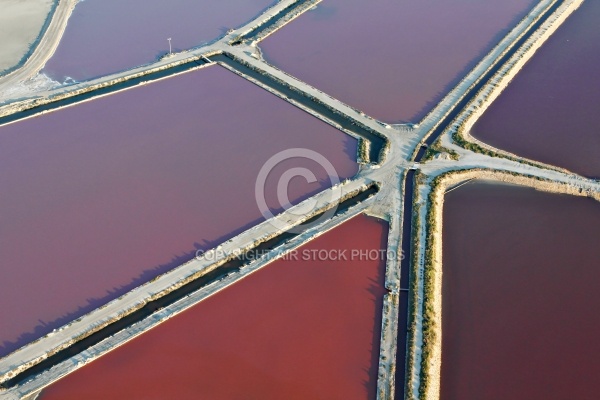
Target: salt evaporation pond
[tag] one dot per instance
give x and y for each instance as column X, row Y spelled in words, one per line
column 107, row 36
column 550, row 110
column 520, row 294
column 102, row 196
column 392, row 59
column 297, row 329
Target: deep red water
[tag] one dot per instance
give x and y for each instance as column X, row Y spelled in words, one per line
column 99, row 197
column 550, row 111
column 393, row 59
column 293, row 330
column 520, row 295
column 106, row 36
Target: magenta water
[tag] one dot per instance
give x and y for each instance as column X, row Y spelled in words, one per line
column 393, row 59
column 107, row 36
column 550, row 110
column 298, row 329
column 520, row 294
column 100, row 197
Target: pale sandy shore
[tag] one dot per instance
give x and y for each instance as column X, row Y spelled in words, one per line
column 21, row 23
column 24, row 79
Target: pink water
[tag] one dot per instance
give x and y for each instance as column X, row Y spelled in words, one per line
column 102, row 196
column 294, row 330
column 550, row 110
column 106, row 36
column 520, row 295
column 392, row 59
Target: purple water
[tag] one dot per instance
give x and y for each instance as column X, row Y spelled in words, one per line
column 392, row 59
column 106, row 36
column 550, row 110
column 520, row 294
column 102, row 196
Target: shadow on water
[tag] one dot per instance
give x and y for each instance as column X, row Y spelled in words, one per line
column 325, row 12
column 400, row 377
column 377, row 291
column 472, row 92
column 45, row 327
column 351, row 147
column 430, row 105
column 93, row 303
column 401, row 350
column 230, row 266
column 163, row 73
column 257, row 33
column 314, row 104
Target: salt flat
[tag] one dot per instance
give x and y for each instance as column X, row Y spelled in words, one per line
column 21, row 22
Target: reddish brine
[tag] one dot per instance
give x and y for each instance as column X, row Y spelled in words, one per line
column 304, row 328
column 520, row 294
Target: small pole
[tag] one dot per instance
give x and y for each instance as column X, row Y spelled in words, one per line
column 169, row 39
